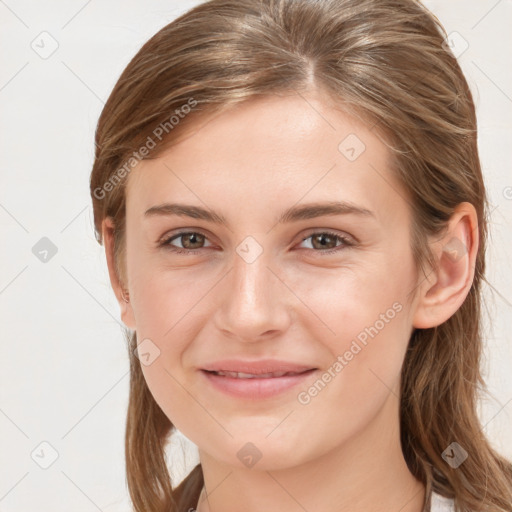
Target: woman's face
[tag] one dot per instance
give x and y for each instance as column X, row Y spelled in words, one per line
column 268, row 277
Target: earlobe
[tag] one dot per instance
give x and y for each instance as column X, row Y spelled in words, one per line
column 119, row 288
column 442, row 294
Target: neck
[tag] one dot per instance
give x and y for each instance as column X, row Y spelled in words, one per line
column 366, row 473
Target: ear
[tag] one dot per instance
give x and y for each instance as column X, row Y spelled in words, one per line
column 120, row 290
column 446, row 288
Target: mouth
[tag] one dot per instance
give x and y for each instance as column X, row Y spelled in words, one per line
column 255, row 386
column 242, row 375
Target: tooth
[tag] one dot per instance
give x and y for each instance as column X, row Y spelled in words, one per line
column 242, row 375
column 227, row 374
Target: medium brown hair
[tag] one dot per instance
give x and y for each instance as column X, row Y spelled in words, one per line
column 385, row 61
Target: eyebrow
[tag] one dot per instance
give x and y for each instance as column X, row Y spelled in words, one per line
column 293, row 214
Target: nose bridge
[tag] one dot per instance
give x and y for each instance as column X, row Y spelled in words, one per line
column 251, row 281
column 253, row 305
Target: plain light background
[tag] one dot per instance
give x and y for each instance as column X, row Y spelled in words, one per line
column 63, row 360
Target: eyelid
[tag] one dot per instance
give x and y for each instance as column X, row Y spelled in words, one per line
column 333, row 232
column 345, row 242
column 165, row 239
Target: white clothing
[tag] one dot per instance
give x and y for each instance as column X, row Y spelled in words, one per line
column 441, row 504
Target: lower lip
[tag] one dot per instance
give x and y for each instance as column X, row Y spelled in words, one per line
column 255, row 388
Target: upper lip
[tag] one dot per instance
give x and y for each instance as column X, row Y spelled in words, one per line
column 258, row 367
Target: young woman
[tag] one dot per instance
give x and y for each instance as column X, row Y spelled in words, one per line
column 294, row 218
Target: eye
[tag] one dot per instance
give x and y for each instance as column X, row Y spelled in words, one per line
column 190, row 241
column 326, row 241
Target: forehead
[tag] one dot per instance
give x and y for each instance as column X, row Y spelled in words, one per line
column 268, row 151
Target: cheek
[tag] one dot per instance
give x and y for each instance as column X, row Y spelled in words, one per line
column 341, row 304
column 363, row 321
column 165, row 315
column 161, row 295
column 362, row 377
column 169, row 390
column 169, row 309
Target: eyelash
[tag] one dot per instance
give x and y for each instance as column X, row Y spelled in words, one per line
column 165, row 243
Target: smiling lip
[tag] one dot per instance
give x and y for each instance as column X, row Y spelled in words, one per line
column 256, row 379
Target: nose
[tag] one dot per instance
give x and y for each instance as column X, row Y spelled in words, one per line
column 254, row 304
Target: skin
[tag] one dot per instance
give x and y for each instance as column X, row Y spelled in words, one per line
column 341, row 451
